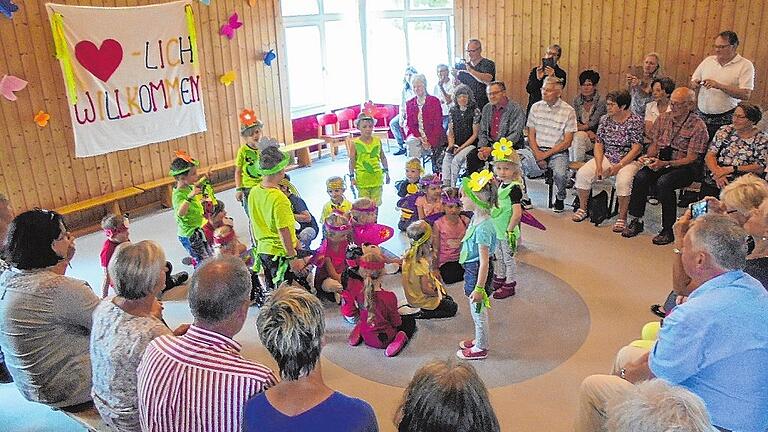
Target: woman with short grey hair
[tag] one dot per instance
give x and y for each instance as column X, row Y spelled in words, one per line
column 123, row 326
column 291, row 326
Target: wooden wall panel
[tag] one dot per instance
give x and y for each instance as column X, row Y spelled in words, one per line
column 609, row 35
column 37, row 165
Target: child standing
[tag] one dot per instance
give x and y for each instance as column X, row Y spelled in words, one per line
column 380, row 325
column 188, row 207
column 116, row 229
column 407, row 188
column 335, row 187
column 506, row 218
column 247, row 160
column 330, row 257
column 448, row 231
column 306, row 225
column 422, row 287
column 478, row 195
column 430, row 203
column 367, row 162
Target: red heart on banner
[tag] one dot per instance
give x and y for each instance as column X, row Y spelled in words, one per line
column 102, row 62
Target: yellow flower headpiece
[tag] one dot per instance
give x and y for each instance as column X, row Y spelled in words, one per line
column 503, row 151
column 414, row 164
column 335, row 183
column 477, row 181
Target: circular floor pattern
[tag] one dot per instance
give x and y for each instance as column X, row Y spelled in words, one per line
column 531, row 334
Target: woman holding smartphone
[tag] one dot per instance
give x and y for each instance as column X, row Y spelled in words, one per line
column 548, row 67
column 639, row 79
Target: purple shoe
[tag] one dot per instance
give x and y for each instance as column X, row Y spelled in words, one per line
column 397, row 344
column 497, row 283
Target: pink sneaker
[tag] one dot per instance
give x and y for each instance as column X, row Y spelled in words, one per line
column 508, row 290
column 467, row 344
column 354, row 336
column 397, row 344
column 468, row 354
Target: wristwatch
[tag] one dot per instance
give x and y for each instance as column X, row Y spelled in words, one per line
column 623, row 373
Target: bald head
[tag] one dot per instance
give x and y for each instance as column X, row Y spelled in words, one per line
column 683, row 94
column 218, row 289
column 682, row 101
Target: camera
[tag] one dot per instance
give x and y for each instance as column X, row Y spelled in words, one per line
column 460, row 64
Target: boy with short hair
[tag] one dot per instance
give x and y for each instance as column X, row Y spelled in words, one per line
column 335, row 187
column 188, row 207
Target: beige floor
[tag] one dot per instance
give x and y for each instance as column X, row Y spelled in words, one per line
column 617, row 278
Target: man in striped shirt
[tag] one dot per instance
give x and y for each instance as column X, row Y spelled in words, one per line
column 551, row 125
column 199, row 382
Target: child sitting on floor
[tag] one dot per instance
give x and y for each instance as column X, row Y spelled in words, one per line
column 352, row 297
column 430, row 203
column 306, row 228
column 380, row 325
column 447, row 232
column 422, row 287
column 335, row 187
column 407, row 187
column 367, row 162
column 216, row 217
column 188, row 207
column 330, row 257
column 116, row 229
column 365, row 230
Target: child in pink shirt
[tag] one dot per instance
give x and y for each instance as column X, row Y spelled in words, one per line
column 330, row 257
column 429, row 203
column 447, row 234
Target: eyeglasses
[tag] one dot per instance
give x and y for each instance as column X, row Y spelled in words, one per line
column 720, row 46
column 741, row 116
column 472, row 50
column 494, row 93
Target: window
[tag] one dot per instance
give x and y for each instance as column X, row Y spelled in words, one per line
column 343, row 52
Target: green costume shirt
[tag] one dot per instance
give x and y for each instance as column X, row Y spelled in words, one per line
column 270, row 210
column 247, row 161
column 194, row 218
column 503, row 213
column 368, row 171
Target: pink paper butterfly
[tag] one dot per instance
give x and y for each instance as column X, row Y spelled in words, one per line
column 10, row 84
column 229, row 28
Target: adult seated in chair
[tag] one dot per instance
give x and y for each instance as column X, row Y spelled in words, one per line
column 673, row 161
column 713, row 344
column 590, row 108
column 736, row 149
column 45, row 316
column 500, row 118
column 463, row 130
column 398, row 122
column 661, row 90
column 424, row 123
column 551, row 125
column 291, row 326
column 619, row 143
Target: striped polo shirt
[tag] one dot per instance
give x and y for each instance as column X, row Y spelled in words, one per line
column 197, row 382
column 551, row 122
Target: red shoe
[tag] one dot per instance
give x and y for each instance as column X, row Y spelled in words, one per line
column 467, row 344
column 497, row 283
column 354, row 337
column 397, row 344
column 508, row 290
column 468, row 354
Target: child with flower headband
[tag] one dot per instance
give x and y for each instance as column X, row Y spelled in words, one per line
column 330, row 258
column 448, row 231
column 421, row 283
column 478, row 195
column 380, row 325
column 407, row 188
column 335, row 187
column 188, row 206
column 430, row 203
column 367, row 162
column 247, row 159
column 366, row 230
column 506, row 217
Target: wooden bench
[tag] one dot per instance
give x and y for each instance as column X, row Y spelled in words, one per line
column 167, row 183
column 112, row 199
column 301, row 150
column 89, row 419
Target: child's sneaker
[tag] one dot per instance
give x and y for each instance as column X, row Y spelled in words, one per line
column 355, row 337
column 188, row 261
column 507, row 290
column 350, row 319
column 469, row 354
column 467, row 344
column 497, row 283
column 397, row 344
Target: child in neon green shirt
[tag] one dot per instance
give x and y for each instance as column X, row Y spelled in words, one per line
column 367, row 162
column 188, row 207
column 247, row 160
column 335, row 187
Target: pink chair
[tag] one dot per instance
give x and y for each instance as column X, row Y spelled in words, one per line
column 333, row 137
column 347, row 119
column 382, row 113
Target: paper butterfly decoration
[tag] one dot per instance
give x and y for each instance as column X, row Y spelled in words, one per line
column 269, row 56
column 10, row 84
column 42, row 118
column 228, row 78
column 229, row 28
column 7, row 8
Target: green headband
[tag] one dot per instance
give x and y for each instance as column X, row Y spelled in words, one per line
column 175, row 172
column 277, row 168
column 471, row 194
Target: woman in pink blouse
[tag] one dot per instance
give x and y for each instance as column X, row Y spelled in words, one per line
column 424, row 123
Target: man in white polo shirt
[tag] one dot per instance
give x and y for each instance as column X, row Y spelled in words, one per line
column 551, row 125
column 722, row 80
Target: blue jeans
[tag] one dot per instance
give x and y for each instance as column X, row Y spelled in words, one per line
column 397, row 130
column 197, row 246
column 557, row 162
column 471, row 270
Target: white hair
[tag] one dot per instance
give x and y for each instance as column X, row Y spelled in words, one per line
column 552, row 80
column 419, row 77
column 135, row 268
column 657, row 406
column 723, row 239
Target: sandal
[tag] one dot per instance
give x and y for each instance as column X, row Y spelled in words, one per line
column 618, row 226
column 579, row 215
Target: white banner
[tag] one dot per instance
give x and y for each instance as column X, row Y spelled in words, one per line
column 132, row 74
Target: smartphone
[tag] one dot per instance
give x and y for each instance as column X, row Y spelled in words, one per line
column 547, row 62
column 699, row 208
column 635, row 71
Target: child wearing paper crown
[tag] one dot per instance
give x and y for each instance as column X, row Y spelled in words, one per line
column 330, row 258
column 380, row 325
column 335, row 187
column 367, row 162
column 506, row 217
column 406, row 188
column 421, row 283
column 366, row 230
column 478, row 195
column 430, row 203
column 448, row 230
column 247, row 159
column 188, row 206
